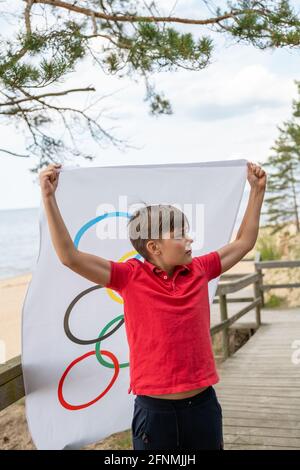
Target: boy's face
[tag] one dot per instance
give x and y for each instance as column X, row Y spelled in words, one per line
column 175, row 249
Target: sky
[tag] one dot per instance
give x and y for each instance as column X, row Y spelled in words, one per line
column 230, row 110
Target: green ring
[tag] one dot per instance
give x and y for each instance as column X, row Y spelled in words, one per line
column 98, row 354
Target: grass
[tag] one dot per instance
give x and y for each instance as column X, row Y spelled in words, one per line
column 268, row 249
column 274, row 301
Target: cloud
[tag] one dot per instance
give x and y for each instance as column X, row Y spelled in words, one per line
column 227, row 94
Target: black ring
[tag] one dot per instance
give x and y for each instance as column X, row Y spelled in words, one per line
column 67, row 319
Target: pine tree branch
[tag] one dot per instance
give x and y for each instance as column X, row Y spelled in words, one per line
column 30, row 97
column 149, row 19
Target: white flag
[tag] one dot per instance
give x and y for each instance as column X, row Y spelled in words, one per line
column 75, row 353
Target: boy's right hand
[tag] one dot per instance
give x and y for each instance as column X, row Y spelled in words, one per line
column 49, row 180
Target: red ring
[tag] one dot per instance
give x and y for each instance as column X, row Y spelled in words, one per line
column 85, row 405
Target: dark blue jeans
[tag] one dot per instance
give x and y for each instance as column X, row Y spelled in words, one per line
column 187, row 424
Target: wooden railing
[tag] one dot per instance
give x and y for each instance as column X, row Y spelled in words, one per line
column 230, row 283
column 11, row 382
column 261, row 265
column 11, row 376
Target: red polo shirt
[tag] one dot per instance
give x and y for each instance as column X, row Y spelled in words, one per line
column 167, row 322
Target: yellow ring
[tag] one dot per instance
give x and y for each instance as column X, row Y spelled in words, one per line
column 112, row 294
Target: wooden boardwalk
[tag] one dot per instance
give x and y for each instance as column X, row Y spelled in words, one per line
column 259, row 388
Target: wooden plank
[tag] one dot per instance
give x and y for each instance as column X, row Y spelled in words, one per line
column 227, row 287
column 282, row 361
column 11, row 382
column 278, row 264
column 262, row 402
column 263, row 393
column 291, row 442
column 240, row 372
column 248, row 431
column 259, row 413
column 229, row 446
column 235, row 300
column 252, row 382
column 259, row 422
column 240, row 367
column 281, row 286
column 11, row 392
column 260, row 367
column 233, row 276
column 10, row 370
column 282, row 419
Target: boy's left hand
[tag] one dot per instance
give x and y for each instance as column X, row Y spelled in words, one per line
column 256, row 176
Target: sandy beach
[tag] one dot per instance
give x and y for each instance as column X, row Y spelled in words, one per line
column 12, row 295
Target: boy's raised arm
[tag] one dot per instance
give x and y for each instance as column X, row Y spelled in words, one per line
column 92, row 267
column 246, row 237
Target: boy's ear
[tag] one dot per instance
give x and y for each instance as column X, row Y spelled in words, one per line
column 152, row 247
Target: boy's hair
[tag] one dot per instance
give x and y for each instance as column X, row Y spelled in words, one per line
column 155, row 222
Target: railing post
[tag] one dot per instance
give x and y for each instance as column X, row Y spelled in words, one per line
column 257, row 308
column 225, row 331
column 260, row 281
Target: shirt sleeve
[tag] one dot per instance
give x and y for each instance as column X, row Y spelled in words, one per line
column 120, row 275
column 210, row 264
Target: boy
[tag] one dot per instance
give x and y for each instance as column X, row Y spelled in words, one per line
column 167, row 317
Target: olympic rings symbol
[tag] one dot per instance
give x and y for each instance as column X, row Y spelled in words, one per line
column 119, row 320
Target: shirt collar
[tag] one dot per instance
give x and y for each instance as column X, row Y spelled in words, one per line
column 156, row 269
